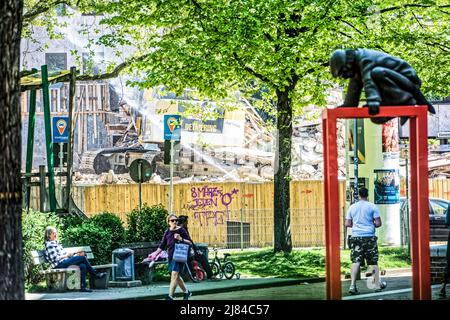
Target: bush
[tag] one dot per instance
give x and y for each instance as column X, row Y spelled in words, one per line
column 146, row 225
column 33, row 229
column 90, row 234
column 71, row 221
column 113, row 225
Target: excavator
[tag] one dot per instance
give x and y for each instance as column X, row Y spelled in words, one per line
column 125, row 150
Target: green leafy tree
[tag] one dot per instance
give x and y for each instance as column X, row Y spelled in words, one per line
column 219, row 46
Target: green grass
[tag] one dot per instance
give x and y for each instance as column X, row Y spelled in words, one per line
column 306, row 263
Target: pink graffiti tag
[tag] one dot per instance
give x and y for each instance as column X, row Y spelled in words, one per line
column 206, row 200
column 218, row 217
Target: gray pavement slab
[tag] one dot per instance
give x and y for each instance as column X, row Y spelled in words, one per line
column 398, row 280
column 160, row 290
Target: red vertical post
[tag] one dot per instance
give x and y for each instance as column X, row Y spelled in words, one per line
column 414, row 226
column 423, row 206
column 420, row 235
column 420, row 250
column 332, row 221
column 327, row 204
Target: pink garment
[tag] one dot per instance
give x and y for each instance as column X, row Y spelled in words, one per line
column 162, row 255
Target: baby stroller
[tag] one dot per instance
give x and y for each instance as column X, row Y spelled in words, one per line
column 193, row 271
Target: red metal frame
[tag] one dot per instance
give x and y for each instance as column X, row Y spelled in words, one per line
column 420, row 250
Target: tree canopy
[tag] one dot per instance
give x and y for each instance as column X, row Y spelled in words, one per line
column 277, row 48
column 219, row 45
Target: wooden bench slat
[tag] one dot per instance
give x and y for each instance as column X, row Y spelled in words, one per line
column 78, row 249
column 38, row 257
column 103, row 266
column 87, row 250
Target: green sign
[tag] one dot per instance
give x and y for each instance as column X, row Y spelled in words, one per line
column 140, row 170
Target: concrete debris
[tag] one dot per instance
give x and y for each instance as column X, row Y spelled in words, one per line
column 254, row 162
column 439, row 162
column 156, row 178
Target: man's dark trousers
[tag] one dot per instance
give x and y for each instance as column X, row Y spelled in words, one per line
column 83, row 263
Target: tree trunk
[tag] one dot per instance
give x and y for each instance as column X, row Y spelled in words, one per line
column 282, row 214
column 11, row 261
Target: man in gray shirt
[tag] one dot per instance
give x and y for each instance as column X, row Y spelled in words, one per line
column 363, row 217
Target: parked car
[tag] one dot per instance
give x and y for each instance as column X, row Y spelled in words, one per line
column 438, row 229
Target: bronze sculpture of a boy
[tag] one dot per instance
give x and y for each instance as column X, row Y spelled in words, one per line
column 386, row 80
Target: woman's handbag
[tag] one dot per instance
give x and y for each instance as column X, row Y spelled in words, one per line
column 180, row 254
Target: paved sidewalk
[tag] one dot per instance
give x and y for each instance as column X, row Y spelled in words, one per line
column 160, row 290
column 399, row 288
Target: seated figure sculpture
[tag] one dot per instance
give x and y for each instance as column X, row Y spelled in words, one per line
column 386, row 80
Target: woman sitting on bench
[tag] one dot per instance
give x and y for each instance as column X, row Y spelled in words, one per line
column 60, row 259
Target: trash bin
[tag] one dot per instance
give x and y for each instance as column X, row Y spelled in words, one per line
column 124, row 258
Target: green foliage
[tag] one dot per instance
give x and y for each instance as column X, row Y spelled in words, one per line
column 90, row 234
column 219, row 47
column 71, row 221
column 33, row 228
column 146, row 225
column 113, row 225
column 103, row 233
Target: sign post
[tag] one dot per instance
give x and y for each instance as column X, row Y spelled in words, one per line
column 61, row 155
column 171, row 177
column 61, row 136
column 172, row 132
column 140, row 171
column 140, row 184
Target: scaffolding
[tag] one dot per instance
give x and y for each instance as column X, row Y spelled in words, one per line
column 33, row 81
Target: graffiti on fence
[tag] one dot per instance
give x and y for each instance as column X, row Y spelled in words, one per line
column 208, row 202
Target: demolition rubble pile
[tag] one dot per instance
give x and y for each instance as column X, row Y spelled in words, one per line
column 104, row 178
column 439, row 163
column 248, row 163
column 307, row 158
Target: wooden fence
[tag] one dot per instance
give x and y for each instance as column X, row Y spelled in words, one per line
column 216, row 210
column 439, row 188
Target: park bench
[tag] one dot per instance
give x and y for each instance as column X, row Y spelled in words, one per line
column 141, row 251
column 144, row 272
column 60, row 280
